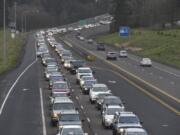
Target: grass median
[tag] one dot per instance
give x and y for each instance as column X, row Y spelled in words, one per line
column 14, row 48
column 162, row 46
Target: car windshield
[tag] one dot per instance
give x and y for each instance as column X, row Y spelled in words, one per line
column 56, row 78
column 69, row 117
column 136, row 133
column 59, row 95
column 99, row 89
column 50, row 60
column 112, row 101
column 111, row 111
column 64, row 106
column 72, row 131
column 129, row 119
column 51, row 69
column 77, row 63
column 101, row 96
column 85, row 71
column 60, row 86
column 89, row 82
column 88, row 78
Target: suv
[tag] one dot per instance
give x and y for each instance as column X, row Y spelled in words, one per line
column 83, row 71
column 60, row 104
column 133, row 131
column 69, row 118
column 111, row 100
column 100, row 47
column 97, row 89
column 111, row 56
column 75, row 64
column 108, row 114
column 123, row 53
column 124, row 120
column 71, row 130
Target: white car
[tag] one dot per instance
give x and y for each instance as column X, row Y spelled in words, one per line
column 123, row 53
column 146, row 62
column 108, row 114
column 83, row 71
column 85, row 78
column 71, row 130
column 97, row 89
column 134, row 131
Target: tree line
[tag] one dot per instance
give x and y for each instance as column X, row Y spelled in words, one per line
column 145, row 13
column 49, row 13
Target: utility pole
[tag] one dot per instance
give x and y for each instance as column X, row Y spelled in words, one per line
column 15, row 20
column 4, row 34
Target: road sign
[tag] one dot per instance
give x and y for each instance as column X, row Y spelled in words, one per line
column 124, row 31
column 82, row 22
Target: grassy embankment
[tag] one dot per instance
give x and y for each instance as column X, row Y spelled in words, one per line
column 14, row 48
column 162, row 46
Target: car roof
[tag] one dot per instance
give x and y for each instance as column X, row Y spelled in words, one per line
column 135, row 130
column 113, row 106
column 64, row 82
column 72, row 126
column 70, row 112
column 127, row 114
column 62, row 100
column 84, row 68
column 99, row 85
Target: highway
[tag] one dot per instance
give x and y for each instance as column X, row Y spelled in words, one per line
column 158, row 80
column 24, row 95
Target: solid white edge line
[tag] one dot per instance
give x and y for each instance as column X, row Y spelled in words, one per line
column 42, row 113
column 10, row 90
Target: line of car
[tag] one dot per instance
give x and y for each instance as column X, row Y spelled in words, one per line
column 114, row 114
column 63, row 112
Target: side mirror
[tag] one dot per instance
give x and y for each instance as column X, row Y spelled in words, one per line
column 141, row 122
column 93, row 72
column 77, row 109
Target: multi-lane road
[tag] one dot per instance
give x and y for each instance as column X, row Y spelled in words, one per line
column 24, row 95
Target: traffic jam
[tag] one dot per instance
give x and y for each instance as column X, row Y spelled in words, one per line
column 64, row 114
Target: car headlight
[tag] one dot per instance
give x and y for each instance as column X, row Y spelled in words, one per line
column 55, row 115
column 60, row 126
column 47, row 75
column 86, row 88
column 120, row 130
column 108, row 120
column 82, row 82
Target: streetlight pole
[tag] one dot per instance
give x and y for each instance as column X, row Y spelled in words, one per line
column 15, row 20
column 4, row 34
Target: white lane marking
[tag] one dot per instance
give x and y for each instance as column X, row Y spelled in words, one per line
column 164, row 125
column 14, row 84
column 110, row 81
column 42, row 113
column 151, row 73
column 88, row 120
column 77, row 97
column 173, row 83
column 25, row 89
column 82, row 107
column 68, row 44
column 133, row 59
column 166, row 71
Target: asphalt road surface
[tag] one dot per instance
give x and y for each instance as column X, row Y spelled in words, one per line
column 24, row 97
